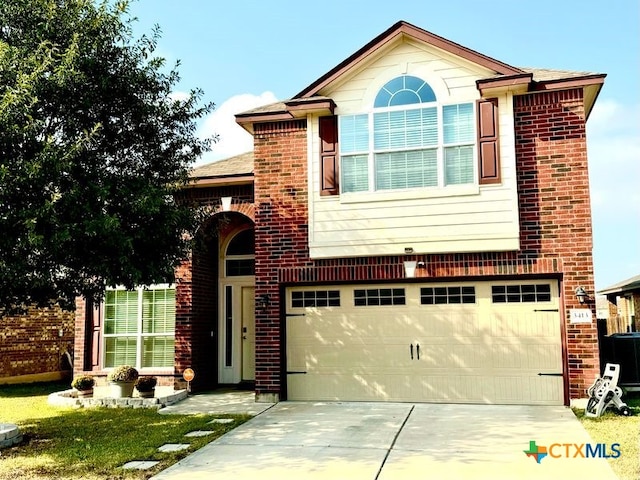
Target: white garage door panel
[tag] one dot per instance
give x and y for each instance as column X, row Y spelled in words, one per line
column 468, row 353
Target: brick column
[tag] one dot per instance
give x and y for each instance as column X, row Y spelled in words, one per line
column 555, row 211
column 280, row 167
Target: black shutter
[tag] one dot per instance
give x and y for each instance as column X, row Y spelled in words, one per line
column 488, row 145
column 92, row 335
column 329, row 184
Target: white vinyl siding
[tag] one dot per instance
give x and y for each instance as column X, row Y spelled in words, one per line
column 139, row 328
column 463, row 217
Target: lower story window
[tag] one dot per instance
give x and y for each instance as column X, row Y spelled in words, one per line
column 139, row 327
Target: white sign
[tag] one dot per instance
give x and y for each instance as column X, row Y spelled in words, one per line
column 580, row 315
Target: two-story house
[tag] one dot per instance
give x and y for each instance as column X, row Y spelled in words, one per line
column 412, row 226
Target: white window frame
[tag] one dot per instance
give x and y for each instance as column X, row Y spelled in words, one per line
column 139, row 335
column 438, row 190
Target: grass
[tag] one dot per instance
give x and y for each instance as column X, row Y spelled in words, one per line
column 613, row 428
column 92, row 443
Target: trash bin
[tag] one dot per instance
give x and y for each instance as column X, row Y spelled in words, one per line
column 623, row 349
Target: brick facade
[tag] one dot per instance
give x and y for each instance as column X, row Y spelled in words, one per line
column 555, row 215
column 281, row 193
column 34, row 345
column 555, row 222
column 196, row 330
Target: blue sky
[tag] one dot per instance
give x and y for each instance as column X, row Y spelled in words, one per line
column 247, row 53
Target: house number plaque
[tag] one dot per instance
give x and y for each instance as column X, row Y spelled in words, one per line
column 580, row 315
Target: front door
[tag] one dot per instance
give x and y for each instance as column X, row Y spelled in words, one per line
column 237, row 319
column 248, row 334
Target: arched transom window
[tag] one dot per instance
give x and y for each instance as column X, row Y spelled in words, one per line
column 410, row 139
column 240, row 254
column 404, row 90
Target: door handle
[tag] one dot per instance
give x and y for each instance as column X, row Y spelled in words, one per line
column 418, row 350
column 411, row 350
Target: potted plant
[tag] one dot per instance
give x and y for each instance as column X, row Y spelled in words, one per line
column 84, row 385
column 146, row 386
column 122, row 379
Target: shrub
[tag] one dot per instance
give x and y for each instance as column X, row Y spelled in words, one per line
column 146, row 384
column 123, row 373
column 83, row 382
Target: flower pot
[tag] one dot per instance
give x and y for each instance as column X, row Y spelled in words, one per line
column 121, row 389
column 148, row 394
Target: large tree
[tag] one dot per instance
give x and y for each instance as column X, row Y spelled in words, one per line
column 94, row 145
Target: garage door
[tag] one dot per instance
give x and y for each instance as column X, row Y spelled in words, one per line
column 494, row 342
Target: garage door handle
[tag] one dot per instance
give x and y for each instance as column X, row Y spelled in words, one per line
column 296, row 373
column 550, row 374
column 411, row 350
column 418, row 350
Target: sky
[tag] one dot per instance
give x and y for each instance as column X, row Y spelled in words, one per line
column 244, row 54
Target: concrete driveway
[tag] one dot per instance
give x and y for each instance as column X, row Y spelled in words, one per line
column 397, row 441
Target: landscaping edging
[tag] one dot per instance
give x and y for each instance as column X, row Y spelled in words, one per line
column 69, row 398
column 9, row 435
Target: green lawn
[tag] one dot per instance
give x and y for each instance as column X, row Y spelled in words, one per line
column 612, row 428
column 92, row 443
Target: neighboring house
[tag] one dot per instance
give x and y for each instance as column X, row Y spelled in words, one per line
column 36, row 345
column 412, row 226
column 624, row 301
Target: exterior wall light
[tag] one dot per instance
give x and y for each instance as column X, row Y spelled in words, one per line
column 226, row 203
column 581, row 294
column 263, row 302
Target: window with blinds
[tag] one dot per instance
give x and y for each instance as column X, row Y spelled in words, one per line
column 404, row 143
column 139, row 328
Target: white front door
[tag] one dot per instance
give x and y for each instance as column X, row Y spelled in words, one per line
column 248, row 334
column 237, row 333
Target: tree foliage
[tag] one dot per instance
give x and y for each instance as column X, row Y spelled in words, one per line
column 94, row 145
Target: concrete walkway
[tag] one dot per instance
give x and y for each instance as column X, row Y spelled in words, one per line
column 392, row 441
column 220, row 401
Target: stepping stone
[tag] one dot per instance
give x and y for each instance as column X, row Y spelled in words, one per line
column 221, row 420
column 199, row 433
column 140, row 465
column 174, row 447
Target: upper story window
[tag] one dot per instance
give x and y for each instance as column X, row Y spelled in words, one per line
column 408, row 140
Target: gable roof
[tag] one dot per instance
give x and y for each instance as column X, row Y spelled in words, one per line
column 234, row 170
column 628, row 285
column 527, row 79
column 399, row 29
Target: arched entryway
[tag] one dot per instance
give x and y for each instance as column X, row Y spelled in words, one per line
column 213, row 289
column 236, row 332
